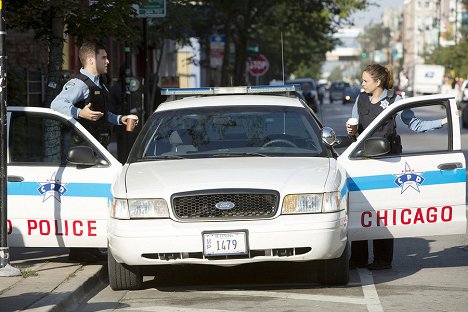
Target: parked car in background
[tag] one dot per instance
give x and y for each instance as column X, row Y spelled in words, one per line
column 350, row 94
column 337, row 89
column 309, row 90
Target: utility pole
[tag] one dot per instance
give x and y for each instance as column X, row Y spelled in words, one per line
column 5, row 268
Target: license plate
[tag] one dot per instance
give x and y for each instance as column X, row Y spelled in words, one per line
column 226, row 243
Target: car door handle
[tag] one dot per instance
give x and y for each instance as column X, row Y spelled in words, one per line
column 450, row 166
column 15, row 179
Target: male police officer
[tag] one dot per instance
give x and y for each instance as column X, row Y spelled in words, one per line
column 86, row 98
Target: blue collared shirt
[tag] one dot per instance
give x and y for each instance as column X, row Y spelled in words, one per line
column 407, row 116
column 75, row 91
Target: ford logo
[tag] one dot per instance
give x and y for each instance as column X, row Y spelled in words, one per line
column 225, row 205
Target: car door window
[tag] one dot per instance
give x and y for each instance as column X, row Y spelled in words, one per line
column 418, row 129
column 41, row 139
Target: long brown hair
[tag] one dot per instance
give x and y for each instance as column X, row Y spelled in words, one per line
column 382, row 73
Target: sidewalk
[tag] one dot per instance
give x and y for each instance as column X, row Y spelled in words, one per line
column 49, row 281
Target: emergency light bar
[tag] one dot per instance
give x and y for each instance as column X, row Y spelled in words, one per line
column 229, row 90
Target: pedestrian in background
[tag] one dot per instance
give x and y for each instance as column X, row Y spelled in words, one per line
column 377, row 83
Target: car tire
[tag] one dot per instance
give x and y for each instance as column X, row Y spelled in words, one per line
column 335, row 271
column 122, row 276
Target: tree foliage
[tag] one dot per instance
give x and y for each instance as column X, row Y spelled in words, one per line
column 307, row 28
column 374, row 37
column 453, row 58
column 51, row 19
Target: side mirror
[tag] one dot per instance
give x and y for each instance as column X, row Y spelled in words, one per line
column 82, row 155
column 328, row 136
column 375, row 147
column 344, row 141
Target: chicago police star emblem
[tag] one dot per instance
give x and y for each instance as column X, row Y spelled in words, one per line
column 409, row 179
column 384, row 104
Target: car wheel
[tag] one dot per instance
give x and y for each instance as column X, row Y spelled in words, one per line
column 122, row 276
column 335, row 271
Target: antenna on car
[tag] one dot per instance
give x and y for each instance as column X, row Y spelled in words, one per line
column 282, row 55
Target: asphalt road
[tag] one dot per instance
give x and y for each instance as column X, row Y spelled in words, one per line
column 429, row 274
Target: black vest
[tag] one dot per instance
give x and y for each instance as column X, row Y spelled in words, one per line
column 99, row 99
column 368, row 111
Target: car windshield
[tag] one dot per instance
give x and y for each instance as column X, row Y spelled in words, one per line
column 229, row 131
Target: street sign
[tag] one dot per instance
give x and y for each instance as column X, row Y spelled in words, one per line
column 258, row 65
column 154, row 8
column 217, row 43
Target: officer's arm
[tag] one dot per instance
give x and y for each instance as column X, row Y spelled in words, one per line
column 112, row 118
column 418, row 125
column 73, row 92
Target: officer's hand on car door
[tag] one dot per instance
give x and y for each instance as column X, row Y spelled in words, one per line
column 87, row 113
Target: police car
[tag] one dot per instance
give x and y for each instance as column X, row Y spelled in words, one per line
column 238, row 177
column 230, row 178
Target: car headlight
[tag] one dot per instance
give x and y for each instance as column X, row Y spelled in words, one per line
column 311, row 203
column 140, row 208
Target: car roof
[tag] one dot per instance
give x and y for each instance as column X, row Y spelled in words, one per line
column 231, row 100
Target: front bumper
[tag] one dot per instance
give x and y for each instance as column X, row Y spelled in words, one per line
column 286, row 238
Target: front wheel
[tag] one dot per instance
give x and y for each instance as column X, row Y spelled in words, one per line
column 122, row 276
column 335, row 271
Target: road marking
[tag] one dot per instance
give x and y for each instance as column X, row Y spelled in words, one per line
column 293, row 296
column 173, row 309
column 370, row 293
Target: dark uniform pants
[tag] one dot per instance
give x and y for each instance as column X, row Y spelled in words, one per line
column 383, row 251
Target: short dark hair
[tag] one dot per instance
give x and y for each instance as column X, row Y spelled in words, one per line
column 89, row 49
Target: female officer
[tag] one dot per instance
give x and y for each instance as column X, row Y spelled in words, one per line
column 377, row 83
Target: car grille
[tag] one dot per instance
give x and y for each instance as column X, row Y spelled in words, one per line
column 248, row 204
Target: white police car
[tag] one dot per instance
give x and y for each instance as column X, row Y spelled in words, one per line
column 237, row 178
column 231, row 179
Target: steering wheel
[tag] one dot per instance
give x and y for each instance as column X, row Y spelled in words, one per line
column 287, row 142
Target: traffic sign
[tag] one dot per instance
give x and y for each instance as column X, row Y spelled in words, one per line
column 258, row 65
column 154, row 8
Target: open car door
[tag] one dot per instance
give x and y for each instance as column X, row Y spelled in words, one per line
column 420, row 192
column 54, row 201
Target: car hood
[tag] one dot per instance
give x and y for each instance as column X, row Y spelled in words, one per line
column 286, row 175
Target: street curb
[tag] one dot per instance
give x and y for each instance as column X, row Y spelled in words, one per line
column 73, row 289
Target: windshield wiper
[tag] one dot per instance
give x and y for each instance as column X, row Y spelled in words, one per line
column 164, row 157
column 235, row 154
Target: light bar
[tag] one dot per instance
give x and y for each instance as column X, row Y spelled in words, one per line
column 229, row 90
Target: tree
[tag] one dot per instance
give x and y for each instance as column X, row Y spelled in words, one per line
column 307, row 27
column 51, row 19
column 375, row 37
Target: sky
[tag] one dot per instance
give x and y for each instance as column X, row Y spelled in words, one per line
column 373, row 12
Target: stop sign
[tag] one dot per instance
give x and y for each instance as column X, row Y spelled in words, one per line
column 258, row 65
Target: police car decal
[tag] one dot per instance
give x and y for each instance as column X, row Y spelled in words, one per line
column 51, row 188
column 409, row 179
column 377, row 182
column 72, row 189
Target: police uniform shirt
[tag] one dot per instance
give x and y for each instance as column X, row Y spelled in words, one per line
column 407, row 116
column 75, row 91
